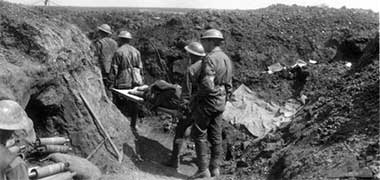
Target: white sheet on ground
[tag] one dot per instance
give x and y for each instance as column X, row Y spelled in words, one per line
column 258, row 116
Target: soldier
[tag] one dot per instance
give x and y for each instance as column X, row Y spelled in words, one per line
column 104, row 47
column 126, row 73
column 299, row 73
column 214, row 87
column 12, row 118
column 196, row 53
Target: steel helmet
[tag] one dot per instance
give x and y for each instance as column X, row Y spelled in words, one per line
column 105, row 28
column 125, row 34
column 13, row 116
column 195, row 48
column 212, row 33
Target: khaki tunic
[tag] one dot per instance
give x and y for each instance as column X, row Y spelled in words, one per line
column 11, row 166
column 125, row 58
column 104, row 50
column 215, row 81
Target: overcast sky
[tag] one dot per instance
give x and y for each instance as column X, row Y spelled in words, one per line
column 217, row 4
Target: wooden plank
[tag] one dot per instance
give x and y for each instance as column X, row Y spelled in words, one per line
column 96, row 149
column 99, row 123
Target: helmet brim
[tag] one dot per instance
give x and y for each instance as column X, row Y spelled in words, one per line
column 193, row 52
column 212, row 37
column 23, row 125
column 104, row 30
column 124, row 37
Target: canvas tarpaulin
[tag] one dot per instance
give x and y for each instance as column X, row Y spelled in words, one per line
column 258, row 116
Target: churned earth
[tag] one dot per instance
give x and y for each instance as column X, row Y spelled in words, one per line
column 335, row 135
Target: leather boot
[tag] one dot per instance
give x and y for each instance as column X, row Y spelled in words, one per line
column 201, row 174
column 201, row 151
column 215, row 172
column 175, row 160
column 215, row 160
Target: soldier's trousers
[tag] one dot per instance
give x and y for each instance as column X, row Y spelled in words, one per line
column 182, row 126
column 207, row 126
column 128, row 108
column 181, row 133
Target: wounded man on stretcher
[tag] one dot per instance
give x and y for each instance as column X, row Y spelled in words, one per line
column 160, row 95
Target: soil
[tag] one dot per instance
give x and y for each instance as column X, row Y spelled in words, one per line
column 46, row 65
column 334, row 135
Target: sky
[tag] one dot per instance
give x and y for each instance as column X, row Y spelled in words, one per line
column 213, row 4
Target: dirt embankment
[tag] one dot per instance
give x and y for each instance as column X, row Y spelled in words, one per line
column 254, row 39
column 45, row 65
column 340, row 120
column 335, row 135
column 319, row 143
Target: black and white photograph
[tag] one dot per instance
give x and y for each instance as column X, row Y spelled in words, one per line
column 189, row 89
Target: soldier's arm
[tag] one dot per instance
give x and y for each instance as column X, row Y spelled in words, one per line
column 207, row 77
column 17, row 170
column 114, row 69
column 229, row 75
column 188, row 82
column 140, row 65
column 95, row 47
column 229, row 89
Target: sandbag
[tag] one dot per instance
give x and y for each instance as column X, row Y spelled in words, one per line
column 83, row 168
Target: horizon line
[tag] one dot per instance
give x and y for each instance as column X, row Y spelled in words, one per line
column 187, row 8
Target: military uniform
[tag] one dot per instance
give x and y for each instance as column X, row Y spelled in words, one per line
column 185, row 121
column 214, row 86
column 192, row 74
column 103, row 50
column 12, row 118
column 196, row 52
column 12, row 167
column 124, row 60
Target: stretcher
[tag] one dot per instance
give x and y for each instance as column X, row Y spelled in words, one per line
column 126, row 94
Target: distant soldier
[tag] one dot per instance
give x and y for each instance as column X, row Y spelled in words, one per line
column 12, row 118
column 300, row 74
column 196, row 53
column 214, row 87
column 104, row 47
column 126, row 73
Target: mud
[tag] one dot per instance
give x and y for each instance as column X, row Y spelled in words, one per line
column 333, row 135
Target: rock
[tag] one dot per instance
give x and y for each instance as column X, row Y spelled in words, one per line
column 242, row 164
column 364, row 173
column 269, row 147
column 175, row 22
column 245, row 144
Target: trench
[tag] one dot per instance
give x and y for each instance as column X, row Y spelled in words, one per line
column 251, row 50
